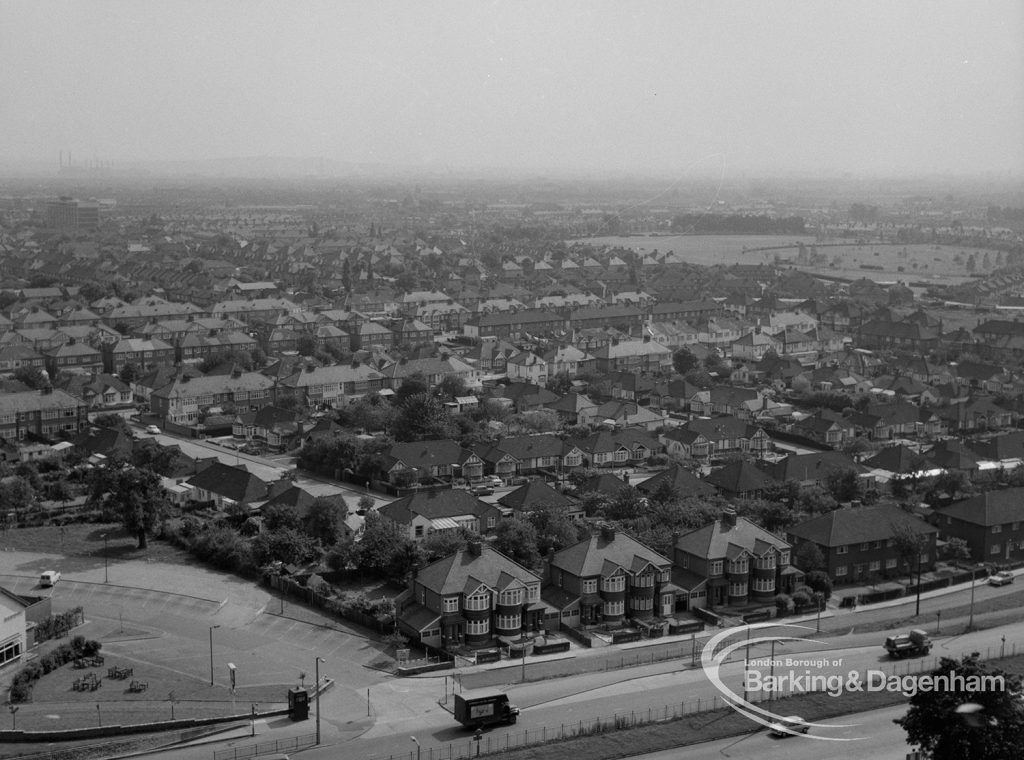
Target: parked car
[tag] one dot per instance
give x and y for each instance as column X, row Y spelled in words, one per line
column 481, row 490
column 1001, row 578
column 792, row 724
column 494, row 481
column 153, row 429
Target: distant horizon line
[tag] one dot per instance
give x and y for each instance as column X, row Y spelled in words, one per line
column 314, row 167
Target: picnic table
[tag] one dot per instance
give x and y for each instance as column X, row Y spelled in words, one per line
column 120, row 673
column 137, row 686
column 88, row 682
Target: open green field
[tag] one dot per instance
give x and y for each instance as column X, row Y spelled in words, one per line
column 941, row 264
column 706, row 250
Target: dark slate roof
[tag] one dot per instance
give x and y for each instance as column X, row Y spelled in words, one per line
column 684, row 482
column 897, row 459
column 602, row 554
column 533, row 493
column 434, row 504
column 235, row 483
column 989, row 508
column 739, row 478
column 720, row 539
column 856, row 525
column 605, row 483
column 952, row 454
column 464, row 570
column 1007, row 446
column 816, row 466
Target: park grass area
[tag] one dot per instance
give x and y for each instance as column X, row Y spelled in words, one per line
column 718, row 724
column 85, row 540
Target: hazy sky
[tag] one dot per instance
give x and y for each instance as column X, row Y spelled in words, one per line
column 673, row 85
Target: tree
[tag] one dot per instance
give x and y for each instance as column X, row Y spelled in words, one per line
column 956, row 550
column 808, row 557
column 129, row 373
column 325, row 520
column 33, row 377
column 382, row 550
column 422, row 417
column 560, row 383
column 344, row 554
column 413, row 385
column 819, row 582
column 280, row 517
column 305, row 345
column 909, row 545
column 285, row 545
column 992, row 731
column 450, row 388
column 844, row 484
column 517, row 539
column 555, row 530
column 442, row 544
column 137, row 497
column 683, row 361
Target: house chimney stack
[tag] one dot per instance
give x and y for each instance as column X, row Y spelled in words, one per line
column 475, row 548
column 607, row 532
column 729, row 518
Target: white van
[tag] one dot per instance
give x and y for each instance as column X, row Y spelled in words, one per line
column 49, row 578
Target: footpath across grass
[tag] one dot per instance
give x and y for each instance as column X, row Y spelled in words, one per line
column 718, row 724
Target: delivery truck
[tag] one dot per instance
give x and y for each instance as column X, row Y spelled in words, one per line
column 481, row 710
column 908, row 644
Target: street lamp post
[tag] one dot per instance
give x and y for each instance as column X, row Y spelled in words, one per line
column 819, row 596
column 970, row 617
column 106, row 576
column 14, row 717
column 211, row 652
column 418, row 747
column 317, row 665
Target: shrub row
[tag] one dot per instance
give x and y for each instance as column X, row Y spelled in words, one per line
column 57, row 626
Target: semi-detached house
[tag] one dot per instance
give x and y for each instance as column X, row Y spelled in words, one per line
column 476, row 597
column 608, row 578
column 332, row 386
column 182, row 401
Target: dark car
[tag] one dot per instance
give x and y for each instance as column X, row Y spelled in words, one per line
column 481, row 490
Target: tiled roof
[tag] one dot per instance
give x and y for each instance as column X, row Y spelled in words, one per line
column 989, row 508
column 589, row 557
column 462, row 570
column 855, row 525
column 713, row 540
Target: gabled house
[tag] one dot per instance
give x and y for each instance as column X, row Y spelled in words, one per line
column 574, row 409
column 476, row 597
column 226, row 485
column 731, row 561
column 740, row 480
column 617, row 448
column 677, row 478
column 858, row 543
column 424, row 513
column 276, row 428
column 535, row 494
column 440, row 460
column 608, row 578
column 991, row 523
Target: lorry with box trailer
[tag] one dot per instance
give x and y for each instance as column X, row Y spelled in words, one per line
column 477, row 711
